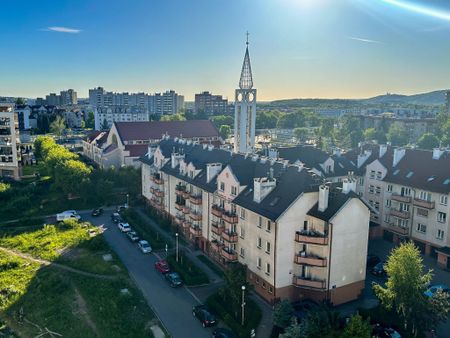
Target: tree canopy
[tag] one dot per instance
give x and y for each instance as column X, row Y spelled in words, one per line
column 397, row 135
column 428, row 141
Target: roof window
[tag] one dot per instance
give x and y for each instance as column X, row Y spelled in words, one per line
column 431, row 178
column 274, row 201
column 396, row 171
column 409, row 175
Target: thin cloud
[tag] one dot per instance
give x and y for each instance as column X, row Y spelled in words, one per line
column 362, row 39
column 60, row 29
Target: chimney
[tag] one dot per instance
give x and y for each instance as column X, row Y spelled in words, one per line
column 337, row 152
column 176, row 158
column 398, row 155
column 210, row 147
column 324, row 192
column 262, row 186
column 273, row 153
column 150, row 151
column 212, row 170
column 437, row 153
column 363, row 157
column 204, row 146
column 348, row 184
column 383, row 149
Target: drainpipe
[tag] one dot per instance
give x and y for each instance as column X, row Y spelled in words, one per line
column 330, row 246
column 275, row 262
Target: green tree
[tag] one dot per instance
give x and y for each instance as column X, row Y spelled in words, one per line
column 266, row 119
column 301, row 134
column 174, row 117
column 291, row 120
column 282, row 313
column 370, row 134
column 441, row 119
column 20, row 101
column 42, row 146
column 58, row 126
column 398, row 135
column 295, row 330
column 220, row 120
column 405, row 288
column 446, row 133
column 357, row 327
column 104, row 125
column 327, row 127
column 90, row 120
column 70, row 174
column 428, row 141
column 225, row 131
column 56, row 156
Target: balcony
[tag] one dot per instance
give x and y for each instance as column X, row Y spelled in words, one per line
column 180, row 189
column 157, row 179
column 186, row 225
column 195, row 199
column 186, row 194
column 157, row 203
column 230, row 217
column 217, row 211
column 309, row 283
column 185, row 209
column 158, row 193
column 216, row 228
column 423, row 203
column 179, row 206
column 310, row 260
column 400, row 214
column 195, row 231
column 230, row 237
column 195, row 216
column 229, row 254
column 311, row 237
column 398, row 230
column 216, row 246
column 400, row 198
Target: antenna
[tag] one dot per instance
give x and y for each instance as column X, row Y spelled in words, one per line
column 247, row 37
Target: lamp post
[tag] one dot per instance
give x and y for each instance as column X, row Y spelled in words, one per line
column 243, row 305
column 176, row 246
column 128, row 196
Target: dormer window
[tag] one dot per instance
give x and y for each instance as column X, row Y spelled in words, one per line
column 233, row 191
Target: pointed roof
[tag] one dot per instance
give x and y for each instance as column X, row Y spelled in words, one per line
column 246, row 81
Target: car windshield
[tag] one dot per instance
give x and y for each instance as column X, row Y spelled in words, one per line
column 144, row 244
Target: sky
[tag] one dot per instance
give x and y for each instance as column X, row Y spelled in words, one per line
column 298, row 48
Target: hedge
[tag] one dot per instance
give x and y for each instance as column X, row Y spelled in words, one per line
column 218, row 271
column 191, row 274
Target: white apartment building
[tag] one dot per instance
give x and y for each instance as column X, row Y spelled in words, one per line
column 297, row 237
column 9, row 142
column 106, row 116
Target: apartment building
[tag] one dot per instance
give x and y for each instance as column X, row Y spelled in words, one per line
column 104, row 117
column 210, row 104
column 298, row 238
column 9, row 142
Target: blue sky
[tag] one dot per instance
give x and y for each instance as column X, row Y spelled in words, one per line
column 299, row 48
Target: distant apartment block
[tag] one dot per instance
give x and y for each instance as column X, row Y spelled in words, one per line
column 66, row 98
column 106, row 116
column 9, row 142
column 210, row 104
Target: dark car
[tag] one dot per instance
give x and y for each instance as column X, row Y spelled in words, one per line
column 97, row 212
column 223, row 333
column 380, row 331
column 372, row 260
column 162, row 266
column 303, row 307
column 173, row 279
column 133, row 236
column 379, row 269
column 205, row 317
column 116, row 218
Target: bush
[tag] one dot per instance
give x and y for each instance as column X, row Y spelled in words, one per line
column 190, row 273
column 218, row 271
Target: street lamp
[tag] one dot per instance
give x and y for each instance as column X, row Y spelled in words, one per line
column 127, row 199
column 243, row 305
column 176, row 246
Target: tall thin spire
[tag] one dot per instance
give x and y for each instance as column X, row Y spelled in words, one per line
column 246, row 81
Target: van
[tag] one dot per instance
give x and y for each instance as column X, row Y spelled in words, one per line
column 68, row 214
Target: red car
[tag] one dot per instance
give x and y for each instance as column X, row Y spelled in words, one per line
column 162, row 266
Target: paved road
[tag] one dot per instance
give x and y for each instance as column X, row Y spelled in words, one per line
column 173, row 306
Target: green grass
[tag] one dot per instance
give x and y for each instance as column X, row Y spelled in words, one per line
column 191, row 274
column 145, row 231
column 65, row 302
column 32, row 169
column 218, row 271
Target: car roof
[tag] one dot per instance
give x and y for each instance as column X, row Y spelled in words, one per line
column 143, row 241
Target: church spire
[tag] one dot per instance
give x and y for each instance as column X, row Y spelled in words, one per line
column 246, row 81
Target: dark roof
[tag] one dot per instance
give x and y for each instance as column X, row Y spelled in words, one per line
column 335, row 202
column 445, row 250
column 154, row 130
column 310, row 156
column 352, row 157
column 91, row 136
column 136, row 149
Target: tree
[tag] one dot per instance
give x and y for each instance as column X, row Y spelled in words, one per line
column 20, row 101
column 397, row 135
column 357, row 327
column 90, row 120
column 446, row 133
column 70, row 174
column 428, row 141
column 266, row 119
column 42, row 146
column 301, row 134
column 105, row 125
column 58, row 126
column 225, row 131
column 295, row 330
column 405, row 290
column 174, row 117
column 370, row 134
column 441, row 119
column 223, row 119
column 282, row 314
column 326, row 127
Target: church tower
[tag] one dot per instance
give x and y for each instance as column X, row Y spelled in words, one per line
column 245, row 109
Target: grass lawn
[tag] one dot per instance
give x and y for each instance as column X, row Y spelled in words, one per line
column 71, row 304
column 218, row 271
column 190, row 273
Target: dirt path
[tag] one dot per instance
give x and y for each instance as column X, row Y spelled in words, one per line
column 81, row 309
column 57, row 265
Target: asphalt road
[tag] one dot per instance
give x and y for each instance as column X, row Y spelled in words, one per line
column 172, row 306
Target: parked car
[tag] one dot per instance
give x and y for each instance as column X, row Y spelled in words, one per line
column 144, row 246
column 372, row 260
column 133, row 236
column 223, row 333
column 121, row 207
column 380, row 331
column 124, row 227
column 303, row 307
column 379, row 269
column 205, row 317
column 173, row 279
column 97, row 212
column 116, row 218
column 434, row 288
column 162, row 266
column 68, row 214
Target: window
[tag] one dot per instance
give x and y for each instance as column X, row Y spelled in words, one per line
column 404, row 207
column 443, row 200
column 440, row 234
column 442, row 217
column 378, row 190
column 242, row 252
column 386, row 218
column 372, row 174
column 242, row 213
column 402, row 223
column 377, row 205
column 267, row 269
column 233, row 191
column 268, row 226
column 379, row 175
column 264, row 285
column 268, row 247
column 257, row 280
column 242, row 233
column 222, row 186
column 361, row 181
column 389, row 188
column 371, row 189
column 260, row 222
column 258, row 244
column 258, row 263
column 422, row 212
column 270, row 289
column 388, row 203
column 406, row 191
column 425, row 196
column 421, row 228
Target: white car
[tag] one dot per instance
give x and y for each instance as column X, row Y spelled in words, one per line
column 144, row 246
column 124, row 227
column 68, row 214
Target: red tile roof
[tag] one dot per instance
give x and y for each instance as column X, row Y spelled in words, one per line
column 154, row 130
column 137, row 149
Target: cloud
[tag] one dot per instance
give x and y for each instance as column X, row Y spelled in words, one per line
column 60, row 29
column 362, row 39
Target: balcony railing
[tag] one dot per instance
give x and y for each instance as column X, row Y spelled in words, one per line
column 179, row 189
column 399, row 230
column 311, row 237
column 195, row 199
column 157, row 179
column 309, row 283
column 401, row 198
column 217, row 211
column 186, row 224
column 400, row 214
column 423, row 203
column 186, row 194
column 216, row 246
column 230, row 217
column 229, row 236
column 229, row 254
column 185, row 209
column 158, row 193
column 310, row 260
column 217, row 228
column 195, row 231
column 179, row 206
column 195, row 216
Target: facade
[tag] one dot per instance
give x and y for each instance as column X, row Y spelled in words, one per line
column 245, row 110
column 297, row 240
column 9, row 142
column 68, row 97
column 52, row 99
column 167, row 103
column 104, row 117
column 210, row 104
